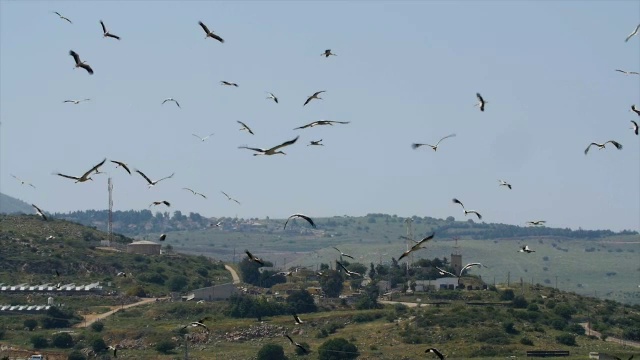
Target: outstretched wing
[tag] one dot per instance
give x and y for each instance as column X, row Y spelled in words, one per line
column 245, row 126
column 87, row 67
column 95, row 168
column 446, row 272
column 446, row 137
column 68, row 176
column 204, row 27
column 113, row 36
column 286, row 143
column 456, row 201
column 616, row 144
column 166, row 177
column 144, row 176
column 104, row 28
column 75, row 55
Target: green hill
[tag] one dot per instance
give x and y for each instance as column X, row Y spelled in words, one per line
column 10, row 205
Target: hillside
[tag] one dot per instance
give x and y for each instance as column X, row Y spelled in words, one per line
column 11, row 205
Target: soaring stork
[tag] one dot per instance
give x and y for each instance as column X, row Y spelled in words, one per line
column 456, row 201
column 230, row 198
column 171, row 99
column 315, row 143
column 199, row 323
column 39, row 212
column 343, row 254
column 347, row 272
column 194, row 192
column 162, row 237
column 62, row 17
column 526, row 249
column 254, row 258
column 210, row 33
column 75, row 102
column 84, row 176
column 628, row 72
column 633, row 33
column 481, row 102
column 165, row 202
column 434, row 147
column 504, row 183
column 272, row 151
column 601, row 146
column 228, row 83
column 203, row 138
column 296, row 344
column 245, row 127
column 106, row 33
column 22, row 182
column 321, row 122
column 442, row 272
column 153, row 183
column 121, row 164
column 635, row 110
column 314, row 96
column 79, row 63
column 328, row 53
column 417, row 246
column 436, row 352
column 301, row 216
column 297, row 319
column 536, row 222
column 273, row 97
column 634, row 126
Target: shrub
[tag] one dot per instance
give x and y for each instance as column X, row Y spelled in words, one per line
column 165, row 346
column 337, row 349
column 97, row 326
column 509, row 328
column 507, row 295
column 519, row 302
column 62, row 340
column 576, row 329
column 566, row 339
column 271, row 352
column 76, row 355
column 98, row 345
column 39, row 342
column 137, row 291
column 526, row 341
column 30, row 324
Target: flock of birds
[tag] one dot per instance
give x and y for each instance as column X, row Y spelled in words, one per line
column 278, row 150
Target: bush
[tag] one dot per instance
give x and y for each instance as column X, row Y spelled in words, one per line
column 519, row 302
column 509, row 328
column 39, row 342
column 76, row 355
column 301, row 301
column 576, row 329
column 337, row 349
column 566, row 339
column 165, row 346
column 137, row 291
column 30, row 324
column 177, row 282
column 62, row 340
column 98, row 345
column 97, row 326
column 507, row 295
column 271, row 352
column 526, row 341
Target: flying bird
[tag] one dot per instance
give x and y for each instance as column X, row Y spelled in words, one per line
column 153, row 183
column 254, row 258
column 504, row 183
column 525, row 249
column 602, row 146
column 434, row 147
column 121, row 164
column 296, row 344
column 442, row 272
column 347, row 272
column 199, row 323
column 635, row 110
column 327, row 53
column 436, row 352
column 536, row 222
column 79, row 63
column 314, row 96
column 230, row 198
column 272, row 151
column 203, row 138
column 416, row 246
column 85, row 176
column 297, row 319
column 121, row 274
column 114, row 348
column 228, row 83
column 321, row 122
column 481, row 102
column 467, row 211
column 628, row 72
column 106, row 33
column 165, row 202
column 171, row 99
column 343, row 254
column 633, row 33
column 39, row 212
column 194, row 192
column 62, row 17
column 163, row 237
column 315, row 143
column 634, row 126
column 245, row 127
column 75, row 102
column 22, row 182
column 271, row 96
column 301, row 216
column 210, row 33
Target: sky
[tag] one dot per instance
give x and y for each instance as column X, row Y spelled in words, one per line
column 404, row 72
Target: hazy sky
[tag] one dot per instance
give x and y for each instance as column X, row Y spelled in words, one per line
column 404, row 72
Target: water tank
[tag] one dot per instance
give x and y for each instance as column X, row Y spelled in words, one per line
column 50, row 301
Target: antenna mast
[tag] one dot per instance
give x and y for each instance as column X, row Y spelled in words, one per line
column 409, row 223
column 110, row 224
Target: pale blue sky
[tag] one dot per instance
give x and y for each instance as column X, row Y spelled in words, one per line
column 405, row 72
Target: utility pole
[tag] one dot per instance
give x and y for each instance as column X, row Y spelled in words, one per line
column 409, row 222
column 186, row 348
column 110, row 220
column 508, row 278
column 556, row 282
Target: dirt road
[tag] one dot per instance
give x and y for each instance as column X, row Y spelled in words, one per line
column 609, row 338
column 234, row 274
column 91, row 318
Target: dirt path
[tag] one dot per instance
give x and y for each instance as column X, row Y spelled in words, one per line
column 91, row 318
column 234, row 274
column 609, row 338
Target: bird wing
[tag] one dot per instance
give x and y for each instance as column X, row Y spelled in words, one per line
column 588, row 147
column 204, row 27
column 475, row 212
column 349, row 256
column 189, row 190
column 616, row 144
column 308, row 99
column 306, row 126
column 95, row 168
column 15, row 177
column 337, row 249
column 405, row 254
column 426, row 239
column 319, row 92
column 633, row 33
column 197, row 136
column 435, row 351
column 290, row 339
column 166, row 177
column 87, row 67
column 124, row 166
column 286, row 143
column 250, row 255
column 342, row 266
column 236, row 201
column 75, row 55
column 306, row 218
column 245, row 126
column 446, row 137
column 68, row 176
column 104, row 28
column 446, row 272
column 456, row 201
column 416, row 145
column 113, row 36
column 217, row 37
column 337, row 122
column 254, row 149
column 144, row 176
column 468, row 266
column 479, row 97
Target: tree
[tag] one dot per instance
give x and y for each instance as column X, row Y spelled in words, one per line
column 271, row 352
column 302, row 301
column 337, row 349
column 566, row 339
column 98, row 345
column 30, row 324
column 76, row 355
column 165, row 346
column 507, row 295
column 177, row 282
column 332, row 283
column 39, row 341
column 62, row 340
column 97, row 326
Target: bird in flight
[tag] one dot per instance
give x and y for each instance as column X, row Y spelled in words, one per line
column 635, row 110
column 22, row 182
column 272, row 151
column 165, row 202
column 442, row 272
column 254, row 258
column 436, row 352
column 315, row 143
column 121, row 164
column 456, row 201
column 434, row 147
column 314, row 96
column 628, row 72
column 106, row 33
column 347, row 272
column 343, row 254
column 203, row 138
column 75, row 102
column 602, row 146
column 301, row 216
column 199, row 323
column 39, row 212
column 536, row 222
column 481, row 102
column 194, row 192
column 321, row 122
column 633, row 33
column 210, row 33
column 417, row 246
column 80, row 64
column 162, row 237
column 84, row 176
column 504, row 183
column 525, row 249
column 230, row 198
column 328, row 53
column 245, row 127
column 62, row 17
column 271, row 96
column 171, row 99
column 228, row 83
column 634, row 126
column 296, row 344
column 153, row 183
column 297, row 319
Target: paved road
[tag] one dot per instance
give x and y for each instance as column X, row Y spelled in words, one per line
column 91, row 318
column 610, row 338
column 234, row 274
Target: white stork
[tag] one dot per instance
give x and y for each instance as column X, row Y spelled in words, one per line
column 314, row 96
column 273, row 97
column 171, row 99
column 348, row 272
column 321, row 122
column 80, row 64
column 635, row 110
column 245, row 127
column 456, row 201
column 75, row 102
column 315, row 143
column 297, row 319
column 301, row 216
column 230, row 198
column 62, row 17
column 628, row 72
column 226, row 83
column 203, row 138
column 436, row 352
column 22, row 182
column 443, row 272
column 526, row 249
column 165, row 202
column 504, row 183
column 481, row 102
column 121, row 164
column 536, row 222
column 106, row 33
column 194, row 192
column 296, row 344
column 39, row 212
column 434, row 147
column 633, row 33
column 210, row 33
column 416, row 246
column 328, row 53
column 602, row 146
column 153, row 183
column 85, row 176
column 634, row 127
column 343, row 254
column 254, row 258
column 271, row 151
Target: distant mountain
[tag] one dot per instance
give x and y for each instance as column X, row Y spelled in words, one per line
column 10, row 205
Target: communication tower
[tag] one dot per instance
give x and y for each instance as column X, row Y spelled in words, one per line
column 456, row 257
column 409, row 223
column 110, row 223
